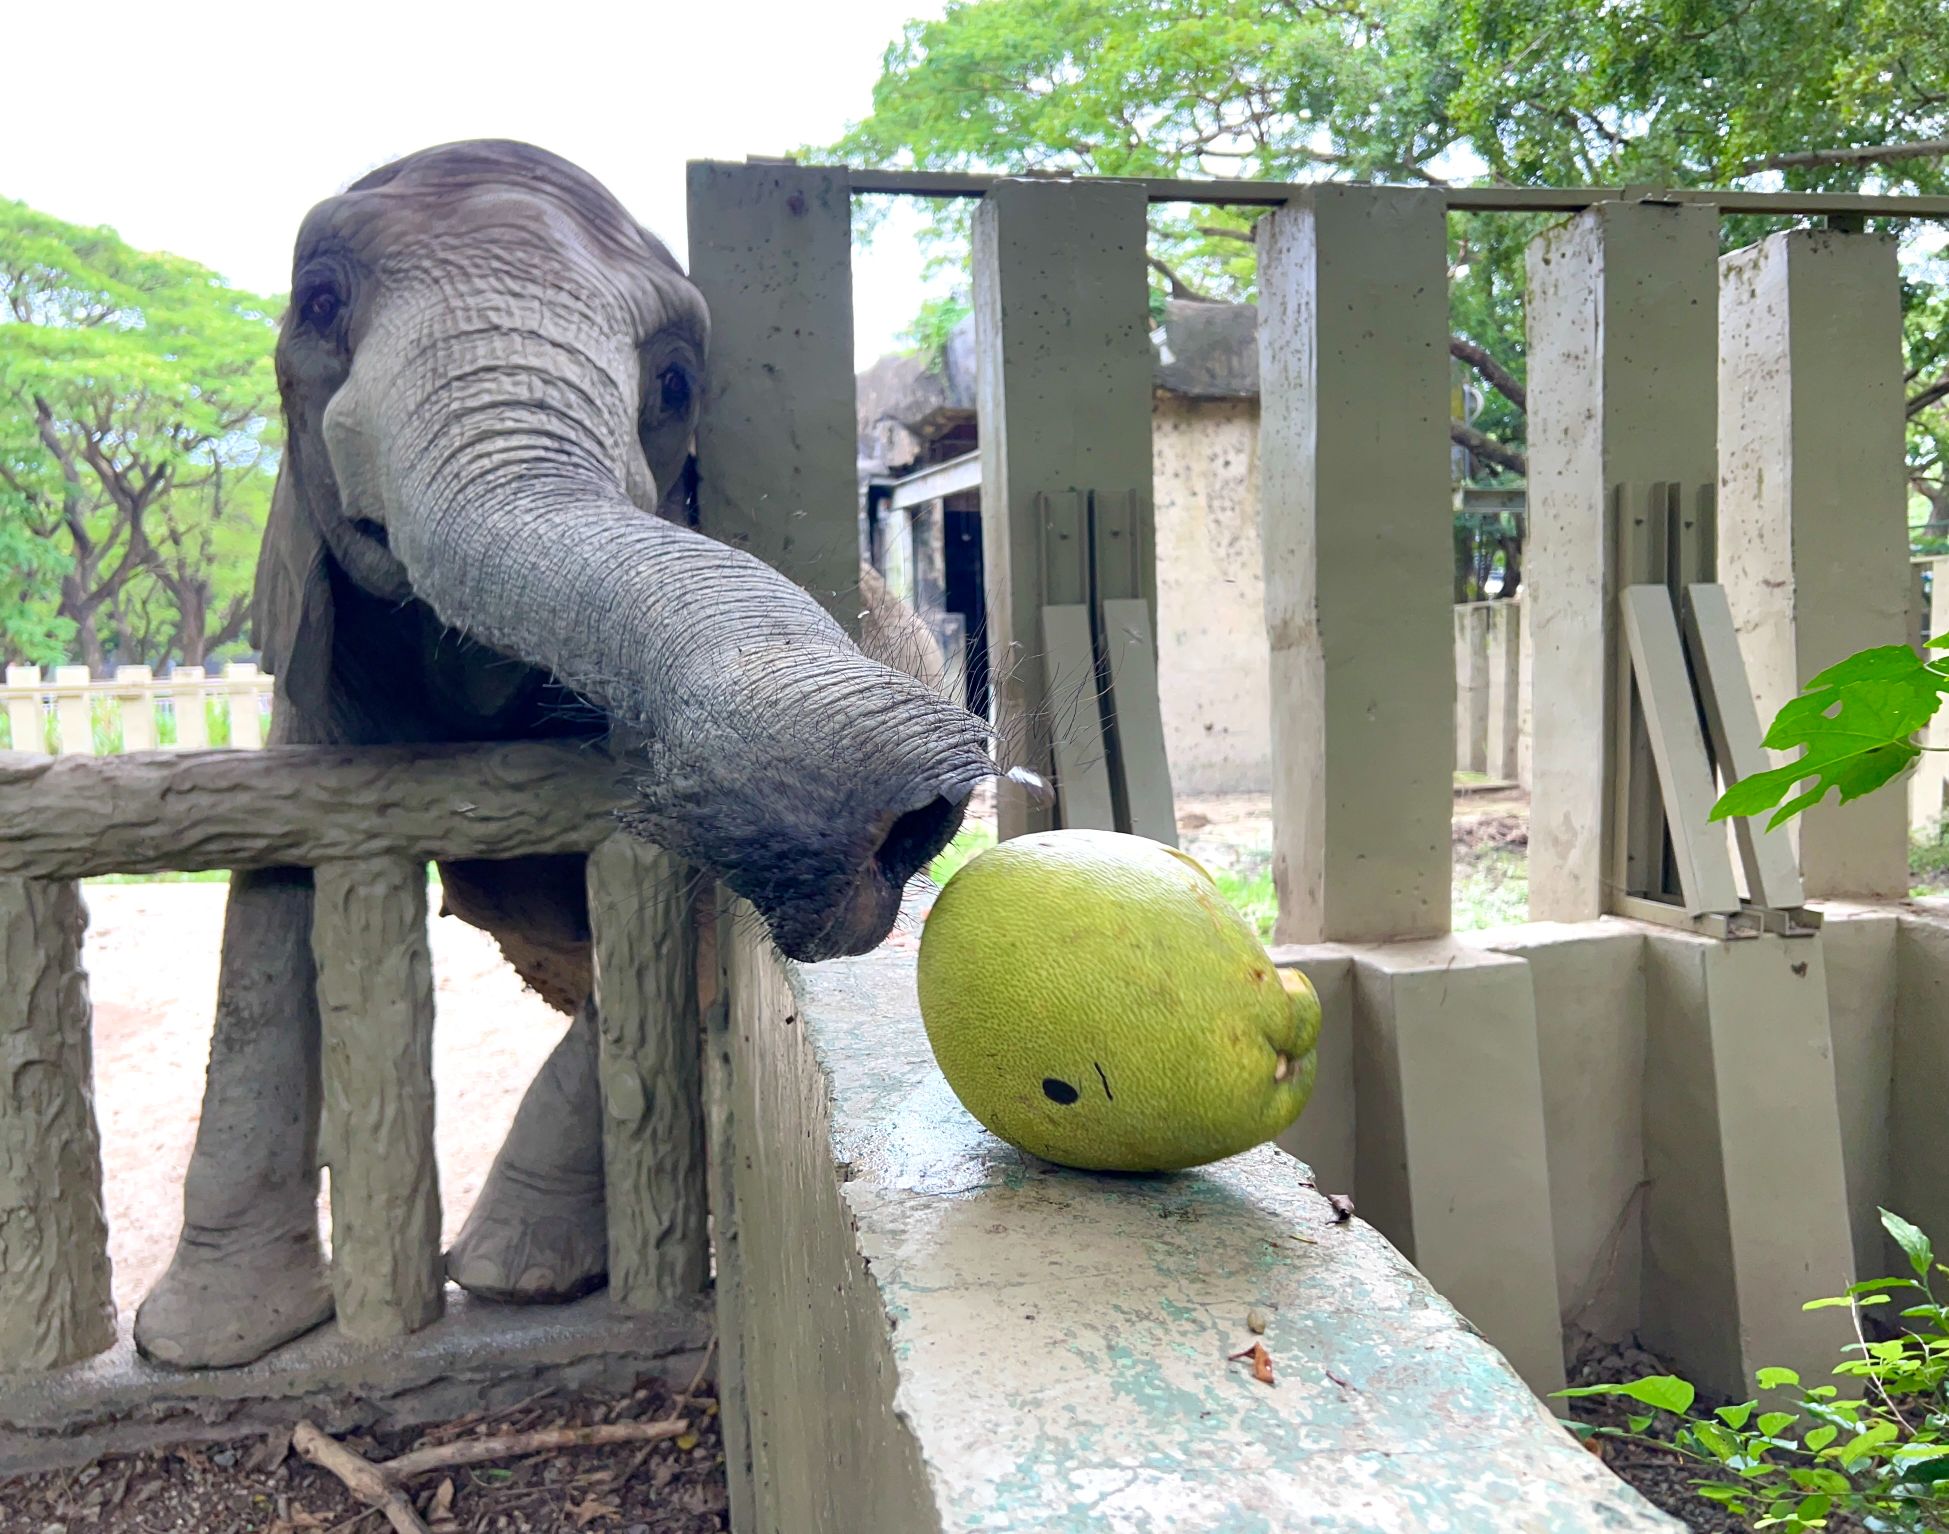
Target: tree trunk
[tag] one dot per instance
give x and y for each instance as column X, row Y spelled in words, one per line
column 192, row 622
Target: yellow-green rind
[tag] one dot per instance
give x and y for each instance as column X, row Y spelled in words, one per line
column 1113, row 965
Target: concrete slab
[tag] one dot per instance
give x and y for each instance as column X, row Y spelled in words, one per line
column 1588, row 981
column 1862, row 944
column 1917, row 1135
column 957, row 1337
column 1746, row 1216
column 1451, row 1156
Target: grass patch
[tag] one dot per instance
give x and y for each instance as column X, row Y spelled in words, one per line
column 1928, row 866
column 1250, row 894
column 1490, row 890
column 969, row 842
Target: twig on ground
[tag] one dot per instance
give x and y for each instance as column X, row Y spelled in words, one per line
column 696, row 1379
column 363, row 1479
column 380, row 1486
column 473, row 1451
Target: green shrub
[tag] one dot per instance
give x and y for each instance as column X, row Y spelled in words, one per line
column 1881, row 1457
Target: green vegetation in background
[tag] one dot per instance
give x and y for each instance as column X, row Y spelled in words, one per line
column 138, row 447
column 1761, row 94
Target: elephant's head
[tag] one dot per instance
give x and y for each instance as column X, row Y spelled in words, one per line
column 491, row 377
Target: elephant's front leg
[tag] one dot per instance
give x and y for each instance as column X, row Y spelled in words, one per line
column 538, row 1232
column 249, row 1272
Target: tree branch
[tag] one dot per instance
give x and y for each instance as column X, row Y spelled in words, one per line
column 1485, row 446
column 1493, row 372
column 1867, row 154
column 1179, row 287
column 1934, row 394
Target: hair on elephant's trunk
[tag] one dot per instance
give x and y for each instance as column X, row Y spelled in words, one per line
column 815, row 781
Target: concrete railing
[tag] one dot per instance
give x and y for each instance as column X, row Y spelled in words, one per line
column 68, row 710
column 924, row 1329
column 367, row 822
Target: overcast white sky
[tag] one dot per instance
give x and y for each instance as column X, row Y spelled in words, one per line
column 210, row 131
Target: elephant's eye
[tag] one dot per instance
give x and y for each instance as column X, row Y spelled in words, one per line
column 673, row 385
column 320, row 307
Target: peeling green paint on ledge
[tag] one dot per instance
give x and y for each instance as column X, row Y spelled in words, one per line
column 1052, row 1348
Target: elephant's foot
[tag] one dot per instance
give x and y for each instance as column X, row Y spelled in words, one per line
column 538, row 1233
column 531, row 1242
column 227, row 1300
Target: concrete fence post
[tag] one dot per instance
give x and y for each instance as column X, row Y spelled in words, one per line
column 243, row 686
column 1505, row 687
column 133, row 691
column 375, row 1008
column 1622, row 382
column 55, row 1303
column 771, row 251
column 73, row 717
column 651, row 1074
column 26, row 721
column 1813, row 508
column 1064, row 383
column 1356, row 522
column 1472, row 683
column 186, row 702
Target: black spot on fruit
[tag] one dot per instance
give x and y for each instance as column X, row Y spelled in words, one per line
column 1111, row 1096
column 1059, row 1091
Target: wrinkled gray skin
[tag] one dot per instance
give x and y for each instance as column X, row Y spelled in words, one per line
column 490, row 377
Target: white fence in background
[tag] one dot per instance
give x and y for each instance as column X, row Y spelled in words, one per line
column 135, row 709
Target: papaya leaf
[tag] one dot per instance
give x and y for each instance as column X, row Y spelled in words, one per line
column 1854, row 723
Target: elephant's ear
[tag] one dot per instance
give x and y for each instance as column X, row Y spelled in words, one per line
column 291, row 617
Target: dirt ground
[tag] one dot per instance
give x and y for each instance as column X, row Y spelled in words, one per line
column 259, row 1486
column 152, row 964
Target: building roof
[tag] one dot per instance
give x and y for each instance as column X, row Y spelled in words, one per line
column 1202, row 351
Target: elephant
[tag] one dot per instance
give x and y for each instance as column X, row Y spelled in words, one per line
column 490, row 378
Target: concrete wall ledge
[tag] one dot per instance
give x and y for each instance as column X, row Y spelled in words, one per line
column 941, row 1333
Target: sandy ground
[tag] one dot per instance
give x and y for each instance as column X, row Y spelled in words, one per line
column 152, row 962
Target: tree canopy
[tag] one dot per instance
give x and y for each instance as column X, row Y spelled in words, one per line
column 138, row 420
column 1843, row 95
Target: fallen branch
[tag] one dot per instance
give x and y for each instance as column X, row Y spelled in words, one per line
column 472, row 1451
column 379, row 1486
column 363, row 1479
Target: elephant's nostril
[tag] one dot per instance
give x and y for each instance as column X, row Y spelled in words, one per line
column 915, row 837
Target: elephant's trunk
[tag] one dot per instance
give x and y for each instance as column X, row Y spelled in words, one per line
column 814, row 781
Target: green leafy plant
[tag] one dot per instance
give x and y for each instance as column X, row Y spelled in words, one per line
column 1855, row 722
column 1881, row 1457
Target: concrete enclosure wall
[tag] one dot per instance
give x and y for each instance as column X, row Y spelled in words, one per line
column 1211, row 638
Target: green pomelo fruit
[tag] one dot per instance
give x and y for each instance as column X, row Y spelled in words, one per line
column 1093, row 999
